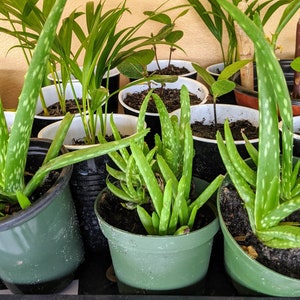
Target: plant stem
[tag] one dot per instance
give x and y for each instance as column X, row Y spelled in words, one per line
column 296, row 87
column 246, row 50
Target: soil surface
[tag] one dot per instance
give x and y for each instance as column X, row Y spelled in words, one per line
column 47, row 184
column 114, row 213
column 55, row 109
column 209, row 131
column 284, row 261
column 170, row 97
column 171, row 70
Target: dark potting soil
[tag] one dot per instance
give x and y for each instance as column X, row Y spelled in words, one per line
column 41, row 190
column 171, row 70
column 55, row 109
column 209, row 131
column 284, row 261
column 113, row 212
column 170, row 97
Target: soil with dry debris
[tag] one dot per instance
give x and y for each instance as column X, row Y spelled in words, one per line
column 170, row 97
column 209, row 131
column 113, row 212
column 284, row 261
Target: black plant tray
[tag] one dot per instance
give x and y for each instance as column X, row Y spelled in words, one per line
column 94, row 284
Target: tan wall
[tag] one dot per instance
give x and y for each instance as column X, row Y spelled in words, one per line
column 198, row 43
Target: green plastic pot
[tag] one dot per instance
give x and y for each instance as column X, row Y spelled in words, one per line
column 159, row 262
column 249, row 276
column 41, row 247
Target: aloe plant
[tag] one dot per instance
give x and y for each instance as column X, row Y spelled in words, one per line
column 161, row 175
column 271, row 190
column 14, row 145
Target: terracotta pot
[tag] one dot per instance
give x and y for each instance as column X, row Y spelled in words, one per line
column 249, row 98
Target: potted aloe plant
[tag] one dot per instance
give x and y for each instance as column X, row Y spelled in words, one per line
column 103, row 47
column 267, row 185
column 40, row 243
column 155, row 187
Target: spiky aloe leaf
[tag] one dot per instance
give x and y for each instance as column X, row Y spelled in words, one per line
column 20, row 134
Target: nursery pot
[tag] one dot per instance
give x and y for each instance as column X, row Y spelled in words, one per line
column 51, row 97
column 113, row 85
column 207, row 163
column 88, row 177
column 159, row 263
column 249, row 98
column 249, row 276
column 215, row 70
column 152, row 119
column 40, row 246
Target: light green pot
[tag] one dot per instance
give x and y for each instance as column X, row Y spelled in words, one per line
column 249, row 276
column 41, row 247
column 159, row 262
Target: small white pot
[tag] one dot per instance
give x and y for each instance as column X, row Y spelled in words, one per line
column 127, row 126
column 207, row 162
column 9, row 117
column 152, row 119
column 215, row 69
column 163, row 63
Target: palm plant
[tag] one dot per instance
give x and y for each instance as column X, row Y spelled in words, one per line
column 105, row 47
column 221, row 24
column 24, row 20
column 14, row 145
column 270, row 191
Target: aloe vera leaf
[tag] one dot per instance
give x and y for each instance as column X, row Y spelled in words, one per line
column 166, row 129
column 280, row 212
column 78, row 156
column 23, row 201
column 207, row 193
column 129, row 178
column 192, row 217
column 252, row 151
column 59, row 137
column 239, row 163
column 166, row 171
column 273, row 94
column 188, row 155
column 149, row 178
column 166, row 209
column 243, row 188
column 3, row 143
column 155, row 221
column 19, row 138
column 177, row 205
column 281, row 236
column 146, row 220
column 117, row 174
column 120, row 193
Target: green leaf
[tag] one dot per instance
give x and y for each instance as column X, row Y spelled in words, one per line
column 174, row 36
column 146, row 220
column 166, row 209
column 222, row 87
column 295, row 64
